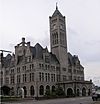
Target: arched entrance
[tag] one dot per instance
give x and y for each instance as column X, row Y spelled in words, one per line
column 18, row 91
column 69, row 92
column 47, row 90
column 12, row 91
column 5, row 90
column 48, row 87
column 53, row 88
column 32, row 90
column 83, row 92
column 25, row 91
column 89, row 92
column 78, row 92
column 41, row 90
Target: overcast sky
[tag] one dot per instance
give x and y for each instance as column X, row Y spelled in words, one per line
column 30, row 19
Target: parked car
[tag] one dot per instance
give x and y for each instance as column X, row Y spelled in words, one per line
column 96, row 95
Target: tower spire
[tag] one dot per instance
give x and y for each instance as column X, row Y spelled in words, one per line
column 56, row 6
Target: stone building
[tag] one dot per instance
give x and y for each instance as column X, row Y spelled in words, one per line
column 36, row 70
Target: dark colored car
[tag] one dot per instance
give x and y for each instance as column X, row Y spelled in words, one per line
column 96, row 95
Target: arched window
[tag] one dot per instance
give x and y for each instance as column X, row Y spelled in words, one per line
column 53, row 88
column 25, row 91
column 41, row 90
column 32, row 90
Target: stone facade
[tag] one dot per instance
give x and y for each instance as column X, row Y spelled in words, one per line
column 35, row 69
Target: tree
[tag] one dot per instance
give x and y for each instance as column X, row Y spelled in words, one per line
column 60, row 91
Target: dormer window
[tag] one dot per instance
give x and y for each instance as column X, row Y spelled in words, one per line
column 47, row 59
column 28, row 59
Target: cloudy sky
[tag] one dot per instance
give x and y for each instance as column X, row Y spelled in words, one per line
column 30, row 19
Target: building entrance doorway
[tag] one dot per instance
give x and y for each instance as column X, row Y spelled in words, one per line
column 69, row 92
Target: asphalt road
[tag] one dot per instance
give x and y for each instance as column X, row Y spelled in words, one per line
column 80, row 100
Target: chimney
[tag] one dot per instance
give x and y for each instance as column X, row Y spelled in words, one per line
column 23, row 41
column 28, row 44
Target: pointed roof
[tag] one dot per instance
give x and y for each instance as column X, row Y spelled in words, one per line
column 57, row 12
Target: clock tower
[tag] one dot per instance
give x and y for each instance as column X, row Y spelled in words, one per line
column 58, row 41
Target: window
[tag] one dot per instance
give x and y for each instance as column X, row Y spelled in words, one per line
column 69, row 77
column 23, row 68
column 12, row 71
column 55, row 38
column 40, row 66
column 54, row 26
column 52, row 77
column 7, row 80
column 6, row 72
column 54, row 20
column 74, row 71
column 18, row 78
column 1, row 80
column 40, row 76
column 12, row 79
column 62, row 39
column 70, row 70
column 64, row 77
column 46, row 77
column 57, row 68
column 18, row 70
column 53, row 68
column 1, row 72
column 31, row 66
column 46, row 67
column 31, row 77
column 64, row 69
column 24, row 77
column 58, row 78
column 28, row 59
column 47, row 59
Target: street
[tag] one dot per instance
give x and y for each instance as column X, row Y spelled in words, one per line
column 80, row 100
